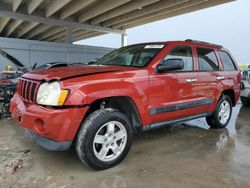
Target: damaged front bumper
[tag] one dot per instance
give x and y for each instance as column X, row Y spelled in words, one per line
column 52, row 129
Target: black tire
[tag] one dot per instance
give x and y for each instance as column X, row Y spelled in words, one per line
column 245, row 101
column 88, row 130
column 214, row 121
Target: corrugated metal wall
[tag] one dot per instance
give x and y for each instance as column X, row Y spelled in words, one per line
column 30, row 52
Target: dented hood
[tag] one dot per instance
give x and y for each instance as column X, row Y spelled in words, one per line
column 62, row 73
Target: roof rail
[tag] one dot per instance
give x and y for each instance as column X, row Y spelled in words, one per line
column 202, row 42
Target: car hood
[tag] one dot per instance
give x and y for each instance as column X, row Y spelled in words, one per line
column 62, row 73
column 12, row 59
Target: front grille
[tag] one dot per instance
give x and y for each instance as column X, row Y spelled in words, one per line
column 27, row 89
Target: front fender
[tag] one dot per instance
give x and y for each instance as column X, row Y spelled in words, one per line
column 91, row 91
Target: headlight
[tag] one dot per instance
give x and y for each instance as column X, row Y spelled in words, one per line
column 51, row 94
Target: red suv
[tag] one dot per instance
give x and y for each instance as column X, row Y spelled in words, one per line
column 142, row 86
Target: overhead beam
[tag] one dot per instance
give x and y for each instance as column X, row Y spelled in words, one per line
column 74, row 7
column 82, row 37
column 79, row 31
column 26, row 28
column 57, row 22
column 148, row 9
column 76, row 35
column 62, row 35
column 128, row 7
column 88, row 36
column 50, row 32
column 177, row 12
column 103, row 6
column 56, row 35
column 12, row 26
column 33, row 5
column 159, row 12
column 3, row 23
column 54, row 6
column 16, row 4
column 15, row 23
column 37, row 30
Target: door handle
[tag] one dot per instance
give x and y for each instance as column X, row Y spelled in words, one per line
column 194, row 80
column 190, row 80
column 220, row 77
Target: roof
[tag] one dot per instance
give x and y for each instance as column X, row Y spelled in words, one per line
column 62, row 20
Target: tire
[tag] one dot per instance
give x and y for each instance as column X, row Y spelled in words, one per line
column 245, row 101
column 215, row 120
column 97, row 136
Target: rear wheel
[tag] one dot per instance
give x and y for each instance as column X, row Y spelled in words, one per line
column 245, row 101
column 104, row 139
column 222, row 114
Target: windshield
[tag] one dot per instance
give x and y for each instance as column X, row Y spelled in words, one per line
column 135, row 56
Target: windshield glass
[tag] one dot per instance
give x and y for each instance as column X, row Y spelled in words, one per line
column 135, row 56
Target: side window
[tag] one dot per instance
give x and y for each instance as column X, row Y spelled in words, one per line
column 207, row 59
column 227, row 61
column 184, row 53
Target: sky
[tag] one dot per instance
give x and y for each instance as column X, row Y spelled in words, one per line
column 227, row 24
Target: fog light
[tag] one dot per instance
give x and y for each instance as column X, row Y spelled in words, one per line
column 20, row 119
column 40, row 126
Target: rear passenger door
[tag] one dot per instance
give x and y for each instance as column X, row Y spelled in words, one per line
column 210, row 76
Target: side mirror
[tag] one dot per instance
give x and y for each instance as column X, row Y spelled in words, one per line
column 170, row 64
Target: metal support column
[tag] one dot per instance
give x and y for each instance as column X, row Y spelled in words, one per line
column 124, row 39
column 69, row 37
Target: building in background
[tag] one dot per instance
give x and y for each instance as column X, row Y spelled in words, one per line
column 29, row 52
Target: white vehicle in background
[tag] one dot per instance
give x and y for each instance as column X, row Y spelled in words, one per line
column 245, row 87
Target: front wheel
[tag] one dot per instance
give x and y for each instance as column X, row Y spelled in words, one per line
column 104, row 139
column 222, row 114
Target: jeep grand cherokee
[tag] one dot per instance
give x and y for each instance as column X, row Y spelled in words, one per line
column 142, row 86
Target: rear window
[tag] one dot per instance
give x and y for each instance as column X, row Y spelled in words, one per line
column 227, row 61
column 207, row 59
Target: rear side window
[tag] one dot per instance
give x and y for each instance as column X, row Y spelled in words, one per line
column 207, row 59
column 227, row 61
column 184, row 53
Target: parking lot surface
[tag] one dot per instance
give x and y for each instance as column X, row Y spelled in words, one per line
column 183, row 155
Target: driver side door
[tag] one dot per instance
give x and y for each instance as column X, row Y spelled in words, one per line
column 173, row 94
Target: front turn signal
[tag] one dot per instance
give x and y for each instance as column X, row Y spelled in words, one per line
column 62, row 97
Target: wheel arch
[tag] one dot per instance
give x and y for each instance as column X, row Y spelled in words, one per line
column 124, row 104
column 231, row 94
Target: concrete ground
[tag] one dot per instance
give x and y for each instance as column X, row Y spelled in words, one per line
column 186, row 155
